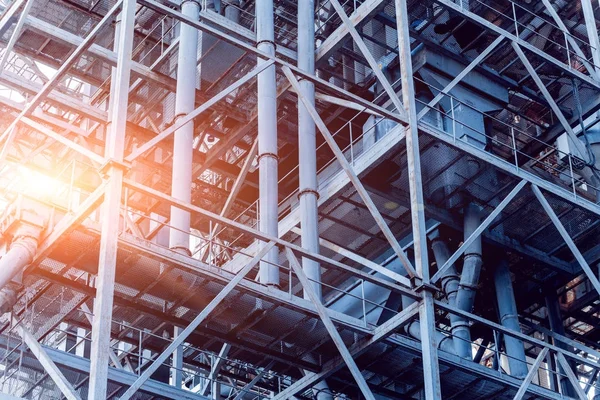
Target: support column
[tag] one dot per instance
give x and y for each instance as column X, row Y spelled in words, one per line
column 509, row 318
column 267, row 140
column 115, row 146
column 431, row 368
column 181, row 185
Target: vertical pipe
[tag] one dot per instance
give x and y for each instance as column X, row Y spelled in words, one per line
column 507, row 307
column 469, row 280
column 267, row 140
column 232, row 10
column 115, row 146
column 181, row 186
column 307, row 149
column 307, row 145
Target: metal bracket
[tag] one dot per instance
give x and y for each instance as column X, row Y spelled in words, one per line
column 112, row 163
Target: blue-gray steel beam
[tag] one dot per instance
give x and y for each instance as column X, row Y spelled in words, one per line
column 201, row 317
column 431, row 368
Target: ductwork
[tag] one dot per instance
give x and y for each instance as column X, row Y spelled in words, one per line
column 413, row 328
column 21, row 228
column 509, row 318
column 469, row 279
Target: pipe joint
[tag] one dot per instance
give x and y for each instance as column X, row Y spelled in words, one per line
column 304, row 192
column 267, row 41
column 268, row 155
column 183, row 249
column 190, row 1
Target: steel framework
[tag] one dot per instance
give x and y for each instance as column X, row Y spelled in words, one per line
column 268, row 199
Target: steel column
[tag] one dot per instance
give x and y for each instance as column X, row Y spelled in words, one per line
column 431, row 368
column 103, row 304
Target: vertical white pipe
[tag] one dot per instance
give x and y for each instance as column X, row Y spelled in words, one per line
column 469, row 280
column 307, row 144
column 181, row 186
column 509, row 318
column 181, row 189
column 267, row 140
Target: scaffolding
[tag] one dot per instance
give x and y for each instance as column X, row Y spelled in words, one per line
column 274, row 199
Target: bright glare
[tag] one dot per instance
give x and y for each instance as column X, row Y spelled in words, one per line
column 36, row 184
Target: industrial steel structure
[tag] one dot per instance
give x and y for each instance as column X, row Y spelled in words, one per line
column 312, row 199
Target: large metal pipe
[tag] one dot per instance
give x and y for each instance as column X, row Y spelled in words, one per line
column 507, row 307
column 307, row 144
column 267, row 140
column 469, row 280
column 181, row 184
column 413, row 328
column 179, row 238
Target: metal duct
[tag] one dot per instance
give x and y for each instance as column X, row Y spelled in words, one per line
column 509, row 318
column 469, row 280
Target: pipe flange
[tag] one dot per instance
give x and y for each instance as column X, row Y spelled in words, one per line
column 308, row 191
column 267, row 41
column 185, row 249
column 270, row 155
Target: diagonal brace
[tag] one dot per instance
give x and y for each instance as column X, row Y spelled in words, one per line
column 205, row 106
column 331, row 329
column 484, row 54
column 369, row 57
column 571, row 375
column 534, row 369
column 195, row 323
column 567, row 238
column 351, row 175
column 478, row 231
column 49, row 366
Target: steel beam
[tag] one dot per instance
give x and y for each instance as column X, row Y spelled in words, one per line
column 517, row 40
column 15, row 35
column 572, row 377
column 364, row 195
column 380, row 333
column 369, row 57
column 65, row 66
column 574, row 141
column 115, row 145
column 534, row 369
column 49, row 366
column 490, row 218
column 331, row 329
column 478, row 60
column 199, row 110
column 592, row 71
column 201, row 317
column 565, row 235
